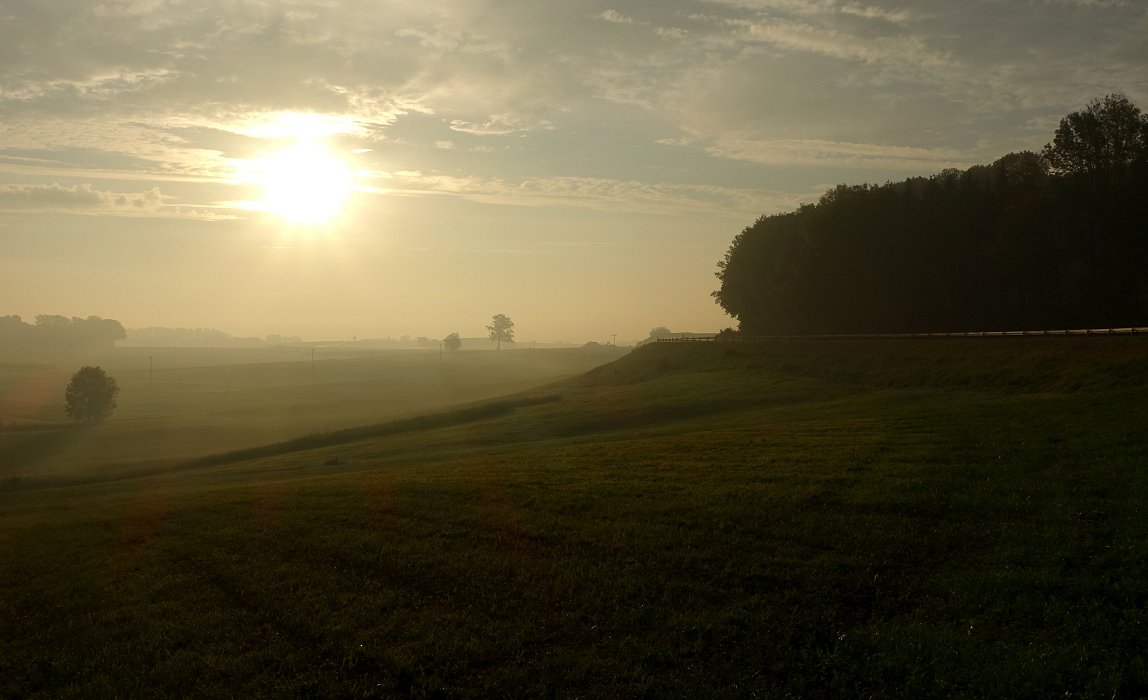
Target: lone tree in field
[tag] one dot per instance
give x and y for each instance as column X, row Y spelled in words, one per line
column 452, row 342
column 501, row 329
column 91, row 395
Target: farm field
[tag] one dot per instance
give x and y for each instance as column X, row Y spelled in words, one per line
column 177, row 403
column 950, row 518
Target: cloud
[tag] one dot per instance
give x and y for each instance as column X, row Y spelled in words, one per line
column 291, row 125
column 1092, row 4
column 872, row 12
column 496, row 125
column 800, row 36
column 97, row 86
column 603, row 194
column 77, row 198
column 961, row 81
column 135, row 89
column 220, row 64
column 615, row 17
column 86, row 199
column 791, row 7
column 813, row 152
column 671, row 32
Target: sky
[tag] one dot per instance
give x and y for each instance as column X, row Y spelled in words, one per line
column 378, row 168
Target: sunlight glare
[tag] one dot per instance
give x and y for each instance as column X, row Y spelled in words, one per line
column 304, row 184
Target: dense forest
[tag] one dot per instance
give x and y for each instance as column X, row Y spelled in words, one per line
column 1057, row 239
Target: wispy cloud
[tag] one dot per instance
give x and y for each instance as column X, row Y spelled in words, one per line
column 836, row 154
column 134, row 88
column 671, row 32
column 601, row 194
column 797, row 7
column 874, row 12
column 615, row 17
column 497, row 125
column 1092, row 4
column 77, row 198
column 86, row 199
column 800, row 36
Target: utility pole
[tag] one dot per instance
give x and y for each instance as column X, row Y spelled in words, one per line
column 150, row 369
column 615, row 336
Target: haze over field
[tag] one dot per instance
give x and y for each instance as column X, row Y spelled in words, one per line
column 376, row 169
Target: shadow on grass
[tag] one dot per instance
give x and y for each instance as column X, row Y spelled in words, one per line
column 43, row 444
column 431, row 421
column 35, row 444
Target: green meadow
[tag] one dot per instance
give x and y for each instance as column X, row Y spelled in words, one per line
column 177, row 403
column 806, row 518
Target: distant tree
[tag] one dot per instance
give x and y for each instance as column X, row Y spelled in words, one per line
column 91, row 395
column 57, row 335
column 52, row 321
column 277, row 339
column 660, row 332
column 452, row 342
column 501, row 329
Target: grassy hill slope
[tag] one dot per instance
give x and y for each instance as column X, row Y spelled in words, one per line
column 207, row 400
column 902, row 518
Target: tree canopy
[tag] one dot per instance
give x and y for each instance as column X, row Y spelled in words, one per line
column 1104, row 140
column 452, row 342
column 57, row 335
column 91, row 395
column 1031, row 241
column 501, row 330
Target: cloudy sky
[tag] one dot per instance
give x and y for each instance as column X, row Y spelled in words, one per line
column 376, row 168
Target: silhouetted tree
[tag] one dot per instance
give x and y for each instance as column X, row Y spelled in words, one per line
column 501, row 330
column 1055, row 240
column 452, row 342
column 1101, row 152
column 1103, row 140
column 57, row 335
column 91, row 395
column 660, row 332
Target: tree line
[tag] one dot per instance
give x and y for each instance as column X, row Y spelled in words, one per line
column 57, row 335
column 157, row 336
column 1057, row 239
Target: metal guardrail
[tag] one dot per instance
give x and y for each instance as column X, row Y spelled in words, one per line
column 708, row 338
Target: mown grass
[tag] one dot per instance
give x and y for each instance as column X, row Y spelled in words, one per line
column 805, row 519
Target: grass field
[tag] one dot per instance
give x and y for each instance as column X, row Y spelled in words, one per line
column 960, row 518
column 177, row 403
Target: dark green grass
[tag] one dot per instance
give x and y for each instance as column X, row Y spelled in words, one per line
column 817, row 520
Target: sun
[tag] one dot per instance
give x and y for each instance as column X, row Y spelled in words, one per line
column 304, row 184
